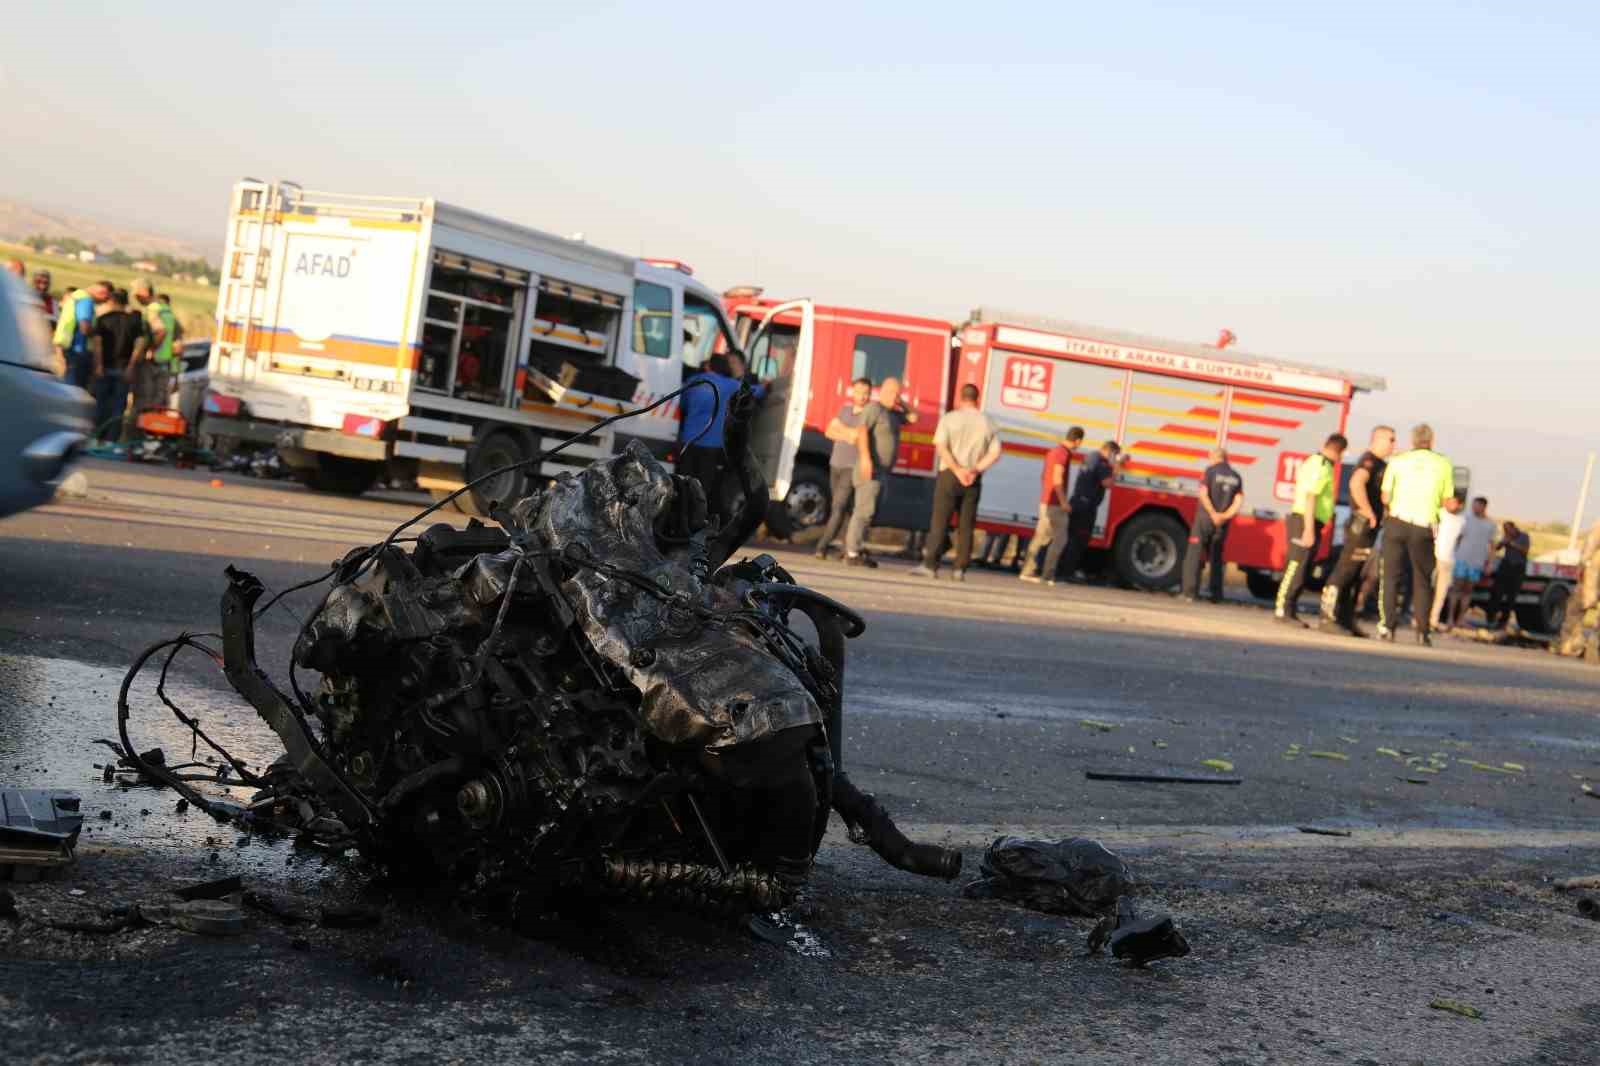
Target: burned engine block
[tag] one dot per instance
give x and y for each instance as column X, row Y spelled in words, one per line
column 583, row 699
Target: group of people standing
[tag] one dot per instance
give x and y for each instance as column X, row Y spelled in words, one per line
column 1405, row 522
column 105, row 346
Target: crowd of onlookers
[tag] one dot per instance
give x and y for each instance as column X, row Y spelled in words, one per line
column 122, row 349
column 1410, row 541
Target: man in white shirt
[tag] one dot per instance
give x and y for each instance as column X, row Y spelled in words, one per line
column 1444, row 554
column 1472, row 558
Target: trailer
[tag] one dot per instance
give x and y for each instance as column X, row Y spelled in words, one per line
column 405, row 338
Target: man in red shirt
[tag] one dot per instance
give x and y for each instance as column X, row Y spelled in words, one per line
column 1050, row 534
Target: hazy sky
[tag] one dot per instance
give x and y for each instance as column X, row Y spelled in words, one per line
column 1404, row 189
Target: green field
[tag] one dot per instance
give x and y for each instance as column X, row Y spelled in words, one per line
column 195, row 305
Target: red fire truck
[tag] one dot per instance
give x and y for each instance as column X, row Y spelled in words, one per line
column 1167, row 402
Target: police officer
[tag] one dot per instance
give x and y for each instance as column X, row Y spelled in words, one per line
column 1221, row 496
column 1366, row 515
column 1414, row 488
column 1311, row 511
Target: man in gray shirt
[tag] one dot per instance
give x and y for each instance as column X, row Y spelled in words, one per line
column 842, row 465
column 877, row 442
column 968, row 444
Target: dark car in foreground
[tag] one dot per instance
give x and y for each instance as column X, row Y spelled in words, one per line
column 44, row 422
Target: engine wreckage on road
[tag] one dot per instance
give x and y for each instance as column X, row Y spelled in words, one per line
column 589, row 697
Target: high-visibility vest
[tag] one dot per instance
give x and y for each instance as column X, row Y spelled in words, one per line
column 67, row 324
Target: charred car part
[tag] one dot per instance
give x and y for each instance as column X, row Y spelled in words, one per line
column 585, row 698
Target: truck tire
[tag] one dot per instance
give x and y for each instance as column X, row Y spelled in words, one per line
column 339, row 475
column 808, row 502
column 1149, row 552
column 1263, row 584
column 496, row 449
column 1549, row 613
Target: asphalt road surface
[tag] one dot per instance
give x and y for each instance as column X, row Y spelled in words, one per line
column 972, row 710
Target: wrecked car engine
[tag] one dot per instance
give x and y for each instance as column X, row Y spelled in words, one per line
column 587, row 699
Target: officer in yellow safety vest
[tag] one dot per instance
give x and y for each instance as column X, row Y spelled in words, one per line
column 1414, row 489
column 74, row 357
column 1311, row 511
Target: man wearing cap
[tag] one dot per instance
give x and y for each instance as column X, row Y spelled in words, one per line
column 1310, row 513
column 1221, row 495
column 1414, row 489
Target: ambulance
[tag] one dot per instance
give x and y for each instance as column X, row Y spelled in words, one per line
column 407, row 339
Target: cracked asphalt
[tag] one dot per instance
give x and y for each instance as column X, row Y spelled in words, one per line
column 972, row 710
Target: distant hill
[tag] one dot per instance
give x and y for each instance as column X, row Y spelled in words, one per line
column 18, row 221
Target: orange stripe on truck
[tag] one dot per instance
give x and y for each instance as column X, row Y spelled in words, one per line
column 343, row 349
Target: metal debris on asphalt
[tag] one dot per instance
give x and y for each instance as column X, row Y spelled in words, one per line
column 1321, row 832
column 39, row 829
column 1587, row 881
column 1159, row 777
column 221, row 888
column 1455, row 1006
column 1072, row 876
column 1136, row 940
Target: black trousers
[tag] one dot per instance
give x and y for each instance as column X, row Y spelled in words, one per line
column 1298, row 565
column 949, row 494
column 841, row 501
column 1402, row 543
column 1503, row 596
column 705, row 466
column 1080, row 531
column 1343, row 589
column 1206, row 539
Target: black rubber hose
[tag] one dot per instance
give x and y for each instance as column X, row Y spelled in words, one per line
column 862, row 812
column 828, row 619
column 407, row 786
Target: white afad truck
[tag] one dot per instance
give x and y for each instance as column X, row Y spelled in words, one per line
column 375, row 336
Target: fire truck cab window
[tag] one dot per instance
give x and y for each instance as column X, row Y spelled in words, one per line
column 652, row 320
column 772, row 355
column 878, row 358
column 704, row 331
column 466, row 334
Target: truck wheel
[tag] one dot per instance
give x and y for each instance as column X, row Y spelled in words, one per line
column 1263, row 584
column 339, row 475
column 1149, row 552
column 1548, row 615
column 808, row 503
column 498, row 449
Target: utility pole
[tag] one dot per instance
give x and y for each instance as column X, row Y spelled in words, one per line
column 1583, row 498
